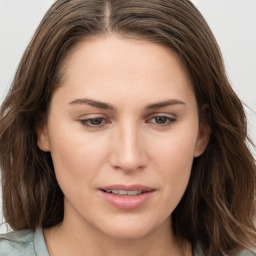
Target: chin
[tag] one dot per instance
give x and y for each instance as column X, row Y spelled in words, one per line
column 128, row 233
column 128, row 229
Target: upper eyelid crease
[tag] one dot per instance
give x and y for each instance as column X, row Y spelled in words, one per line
column 103, row 105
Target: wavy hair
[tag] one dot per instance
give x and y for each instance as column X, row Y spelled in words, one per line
column 217, row 210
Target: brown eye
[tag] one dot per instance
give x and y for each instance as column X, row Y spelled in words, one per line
column 93, row 122
column 162, row 120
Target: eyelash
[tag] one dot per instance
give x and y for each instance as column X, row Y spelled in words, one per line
column 171, row 120
column 86, row 122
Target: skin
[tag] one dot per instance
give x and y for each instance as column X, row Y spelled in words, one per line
column 127, row 144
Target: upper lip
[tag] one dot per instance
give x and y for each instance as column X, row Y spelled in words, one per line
column 124, row 187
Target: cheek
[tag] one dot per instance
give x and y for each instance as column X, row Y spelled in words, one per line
column 176, row 150
column 177, row 163
column 77, row 156
column 175, row 156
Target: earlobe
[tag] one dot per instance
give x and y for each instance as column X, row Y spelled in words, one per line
column 43, row 138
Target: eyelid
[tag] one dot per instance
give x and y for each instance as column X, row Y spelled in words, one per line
column 170, row 117
column 85, row 120
column 156, row 114
column 91, row 126
column 91, row 115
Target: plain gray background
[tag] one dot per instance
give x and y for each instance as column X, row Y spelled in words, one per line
column 233, row 22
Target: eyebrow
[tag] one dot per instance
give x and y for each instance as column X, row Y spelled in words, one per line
column 165, row 104
column 93, row 103
column 103, row 105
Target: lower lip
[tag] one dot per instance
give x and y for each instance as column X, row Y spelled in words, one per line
column 127, row 202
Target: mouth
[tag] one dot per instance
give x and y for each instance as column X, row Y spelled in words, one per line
column 127, row 190
column 127, row 197
column 124, row 192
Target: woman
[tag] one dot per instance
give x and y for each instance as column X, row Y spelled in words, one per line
column 122, row 136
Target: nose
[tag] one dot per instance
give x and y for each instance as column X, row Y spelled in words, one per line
column 128, row 149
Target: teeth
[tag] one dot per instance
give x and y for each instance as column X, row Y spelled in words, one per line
column 125, row 193
column 132, row 193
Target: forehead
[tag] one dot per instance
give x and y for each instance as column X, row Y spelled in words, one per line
column 131, row 53
column 124, row 67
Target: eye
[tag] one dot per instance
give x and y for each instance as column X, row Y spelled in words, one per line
column 93, row 122
column 162, row 120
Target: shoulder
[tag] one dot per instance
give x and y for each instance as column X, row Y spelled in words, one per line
column 248, row 253
column 22, row 242
column 199, row 252
column 17, row 243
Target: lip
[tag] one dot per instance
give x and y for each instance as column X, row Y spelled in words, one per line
column 127, row 202
column 128, row 187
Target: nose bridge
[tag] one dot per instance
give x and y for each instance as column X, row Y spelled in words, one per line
column 128, row 153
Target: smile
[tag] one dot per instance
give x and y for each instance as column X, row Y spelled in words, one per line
column 125, row 193
column 127, row 197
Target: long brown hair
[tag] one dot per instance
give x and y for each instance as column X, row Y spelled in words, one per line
column 217, row 210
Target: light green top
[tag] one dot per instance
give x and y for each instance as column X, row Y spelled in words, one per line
column 27, row 243
column 23, row 243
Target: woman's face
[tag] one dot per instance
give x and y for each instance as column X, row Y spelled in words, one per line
column 123, row 130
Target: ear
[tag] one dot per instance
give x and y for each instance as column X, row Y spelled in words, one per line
column 42, row 138
column 204, row 133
